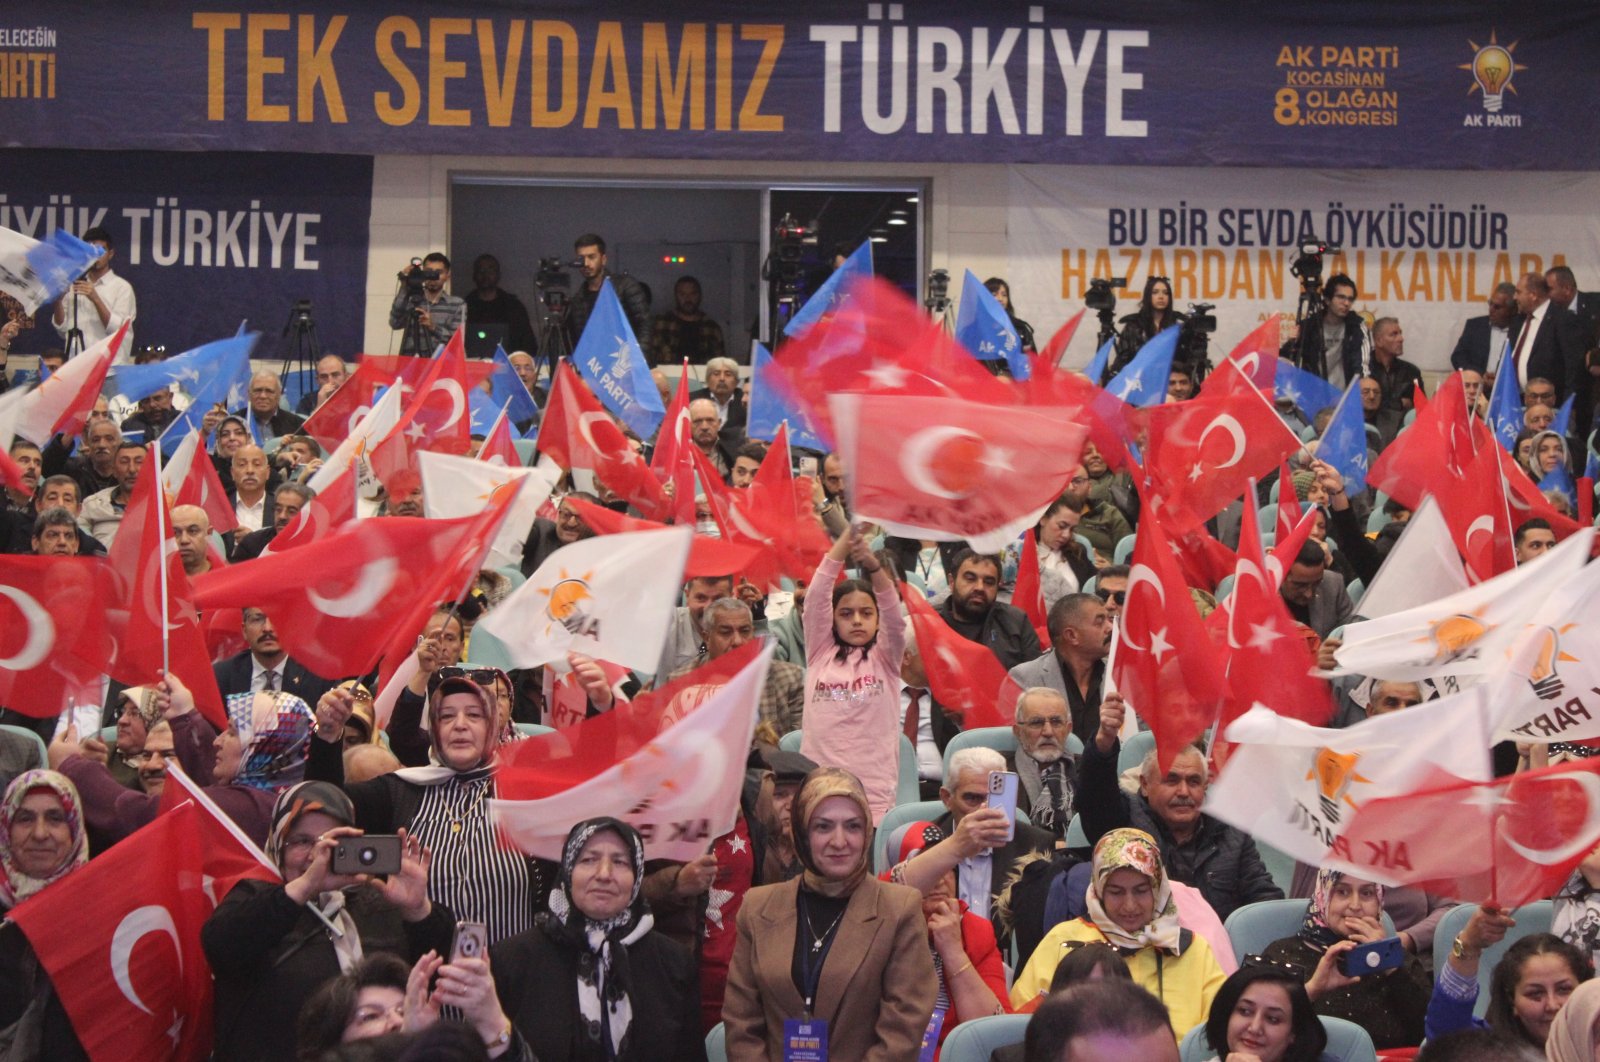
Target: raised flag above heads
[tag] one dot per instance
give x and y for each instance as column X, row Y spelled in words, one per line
column 671, row 460
column 1563, row 416
column 1465, row 633
column 11, row 473
column 769, row 408
column 53, row 637
column 62, row 403
column 465, row 486
column 332, row 506
column 1505, row 410
column 224, row 381
column 35, row 272
column 333, row 421
column 1525, row 502
column 708, row 556
column 1256, row 356
column 964, row 676
column 1476, row 511
column 355, row 450
column 499, row 445
column 1431, row 456
column 832, row 293
column 610, row 597
column 985, row 329
column 509, row 390
column 1048, row 360
column 779, row 507
column 482, row 411
column 1309, row 393
column 1143, row 381
column 1547, row 690
column 1344, row 440
column 191, row 370
column 1096, row 369
column 950, row 468
column 1422, row 566
column 1269, row 661
column 608, row 357
column 191, row 482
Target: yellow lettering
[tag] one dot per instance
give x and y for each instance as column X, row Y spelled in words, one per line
column 1239, row 284
column 543, row 33
column 1421, row 279
column 315, row 69
column 1213, row 270
column 405, row 112
column 1072, row 269
column 257, row 65
column 1183, row 266
column 1449, row 272
column 1130, row 267
column 499, row 84
column 1269, row 274
column 750, row 117
column 442, row 70
column 610, row 65
column 1530, row 263
column 1389, row 275
column 724, row 76
column 216, row 24
column 688, row 77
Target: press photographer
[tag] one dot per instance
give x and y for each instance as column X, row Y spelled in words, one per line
column 428, row 314
column 1324, row 324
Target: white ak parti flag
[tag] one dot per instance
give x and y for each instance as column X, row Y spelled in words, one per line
column 465, row 486
column 610, row 597
column 1549, row 689
column 1422, row 566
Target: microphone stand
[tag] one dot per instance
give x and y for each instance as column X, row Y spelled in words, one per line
column 75, row 342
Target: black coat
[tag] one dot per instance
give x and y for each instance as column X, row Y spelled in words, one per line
column 269, row 955
column 1472, row 349
column 635, row 306
column 22, row 980
column 233, row 676
column 1028, row 841
column 1557, row 355
column 537, row 980
column 1006, row 632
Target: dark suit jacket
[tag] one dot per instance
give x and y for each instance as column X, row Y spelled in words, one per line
column 250, row 546
column 233, row 676
column 1472, row 349
column 1029, row 840
column 878, row 984
column 1557, row 353
column 732, row 433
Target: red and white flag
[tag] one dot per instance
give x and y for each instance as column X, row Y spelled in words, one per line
column 949, row 468
column 1269, row 661
column 1256, row 356
column 498, row 446
column 964, row 676
column 1547, row 690
column 335, row 505
column 463, row 486
column 611, row 597
column 230, row 855
column 436, row 418
column 1431, row 456
column 62, row 403
column 1028, row 595
column 356, row 449
column 195, row 482
column 577, row 432
column 671, row 460
column 708, row 556
column 678, row 784
column 1422, row 567
column 333, row 421
column 1475, row 509
column 53, row 636
column 10, row 410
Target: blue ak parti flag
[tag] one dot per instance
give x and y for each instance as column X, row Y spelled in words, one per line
column 1096, row 369
column 35, row 272
column 1344, row 441
column 484, row 409
column 226, row 383
column 1310, row 393
column 508, row 388
column 189, row 370
column 1563, row 416
column 984, row 328
column 831, row 292
column 768, row 409
column 1559, row 478
column 1505, row 410
column 609, row 360
column 1143, row 381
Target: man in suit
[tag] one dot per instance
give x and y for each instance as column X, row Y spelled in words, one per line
column 287, row 501
column 1484, row 338
column 1316, row 596
column 265, row 665
column 1075, row 664
column 1565, row 294
column 923, row 720
column 1549, row 341
column 1046, row 771
column 722, row 387
column 266, row 396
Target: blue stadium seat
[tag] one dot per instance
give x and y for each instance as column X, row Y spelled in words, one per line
column 1255, row 925
column 1124, row 549
column 975, row 1040
column 717, row 1044
column 1531, row 918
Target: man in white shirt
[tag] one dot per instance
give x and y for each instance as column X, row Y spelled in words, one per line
column 250, row 472
column 98, row 303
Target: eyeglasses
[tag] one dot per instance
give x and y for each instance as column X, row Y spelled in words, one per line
column 1118, row 596
column 1055, row 722
column 483, row 676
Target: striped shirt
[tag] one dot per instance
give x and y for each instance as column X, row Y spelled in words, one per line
column 475, row 877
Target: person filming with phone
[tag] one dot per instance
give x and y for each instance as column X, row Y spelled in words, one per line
column 271, row 945
column 1353, row 966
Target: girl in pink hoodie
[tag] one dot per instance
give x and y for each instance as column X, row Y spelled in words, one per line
column 853, row 652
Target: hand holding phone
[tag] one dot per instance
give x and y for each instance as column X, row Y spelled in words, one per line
column 374, row 854
column 1002, row 794
column 471, row 941
column 1379, row 956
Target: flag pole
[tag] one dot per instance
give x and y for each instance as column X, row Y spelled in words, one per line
column 161, row 552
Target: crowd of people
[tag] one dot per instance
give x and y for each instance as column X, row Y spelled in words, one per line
column 1098, row 907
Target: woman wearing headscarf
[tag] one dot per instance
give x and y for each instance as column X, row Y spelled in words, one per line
column 1575, row 1032
column 593, row 981
column 42, row 840
column 1130, row 907
column 835, row 946
column 444, row 805
column 271, row 944
column 1345, row 912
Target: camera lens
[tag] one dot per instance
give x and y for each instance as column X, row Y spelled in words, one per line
column 367, row 856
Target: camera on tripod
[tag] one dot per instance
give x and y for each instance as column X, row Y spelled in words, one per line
column 1200, row 319
column 415, row 277
column 552, row 274
column 790, row 239
column 1308, row 267
column 1100, row 297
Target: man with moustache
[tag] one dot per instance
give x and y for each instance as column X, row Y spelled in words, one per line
column 1046, row 771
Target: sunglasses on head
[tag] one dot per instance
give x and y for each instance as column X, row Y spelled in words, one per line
column 483, row 676
column 1119, row 596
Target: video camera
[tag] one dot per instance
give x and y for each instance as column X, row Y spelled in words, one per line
column 1201, row 319
column 1308, row 267
column 414, row 278
column 1100, row 297
column 553, row 273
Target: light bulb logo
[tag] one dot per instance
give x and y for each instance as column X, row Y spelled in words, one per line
column 1492, row 69
column 1335, row 773
column 1454, row 637
column 1543, row 674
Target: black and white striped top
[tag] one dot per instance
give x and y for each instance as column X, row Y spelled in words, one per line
column 479, row 880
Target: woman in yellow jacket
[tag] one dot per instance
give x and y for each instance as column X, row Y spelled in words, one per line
column 1131, row 908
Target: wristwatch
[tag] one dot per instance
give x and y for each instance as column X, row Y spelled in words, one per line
column 1461, row 951
column 503, row 1040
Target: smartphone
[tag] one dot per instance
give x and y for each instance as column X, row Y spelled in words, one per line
column 471, row 941
column 1003, row 795
column 808, row 466
column 368, row 854
column 1366, row 959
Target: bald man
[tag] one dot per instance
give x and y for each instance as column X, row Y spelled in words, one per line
column 191, row 527
column 250, row 475
column 266, row 394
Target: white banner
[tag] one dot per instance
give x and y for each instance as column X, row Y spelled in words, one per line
column 1424, row 247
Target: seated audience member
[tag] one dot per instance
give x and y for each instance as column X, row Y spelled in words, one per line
column 547, row 536
column 1131, row 908
column 593, row 979
column 42, row 840
column 265, row 664
column 271, row 945
column 1046, row 772
column 1477, row 1045
column 1219, row 860
column 789, row 770
column 1100, row 1021
column 1530, row 984
column 973, row 610
column 1315, row 594
column 1081, row 964
column 1346, row 912
column 287, row 501
column 1064, row 563
column 1549, row 454
column 1575, row 1032
column 835, row 945
column 1262, row 1014
column 101, row 513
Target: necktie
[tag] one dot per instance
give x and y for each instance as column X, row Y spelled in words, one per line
column 1516, row 355
column 269, row 681
column 913, row 715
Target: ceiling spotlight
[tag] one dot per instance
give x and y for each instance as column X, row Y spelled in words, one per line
column 879, row 239
column 898, row 221
column 913, row 199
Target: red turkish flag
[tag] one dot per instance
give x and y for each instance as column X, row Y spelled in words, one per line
column 1028, row 594
column 1431, row 455
column 331, row 422
column 498, row 446
column 61, row 405
column 1204, row 452
column 952, row 468
column 332, row 508
column 133, row 977
column 1526, row 502
column 1256, row 356
column 577, row 432
column 964, row 676
column 1506, row 842
column 142, row 543
column 435, row 419
column 341, row 602
column 670, row 460
column 53, row 639
column 1203, row 560
column 1268, row 660
column 707, row 556
column 410, row 369
column 780, row 506
column 230, row 856
column 190, row 478
column 1165, row 664
column 1475, row 510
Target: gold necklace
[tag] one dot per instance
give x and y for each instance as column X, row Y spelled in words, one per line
column 458, row 814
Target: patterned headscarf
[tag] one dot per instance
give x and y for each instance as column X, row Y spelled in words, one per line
column 144, row 704
column 820, row 784
column 604, row 978
column 1314, row 928
column 1134, row 850
column 15, row 886
column 274, row 734
column 302, row 799
column 918, row 837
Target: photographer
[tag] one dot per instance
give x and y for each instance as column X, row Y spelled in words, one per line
column 1332, row 342
column 591, row 251
column 1137, row 329
column 423, row 301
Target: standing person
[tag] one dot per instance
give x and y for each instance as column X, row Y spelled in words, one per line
column 853, row 652
column 489, row 303
column 875, row 997
column 1484, row 339
column 440, row 313
column 591, row 249
column 593, row 979
column 1335, row 343
column 1002, row 294
column 99, row 302
column 1155, row 315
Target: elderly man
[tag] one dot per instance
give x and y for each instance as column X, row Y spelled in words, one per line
column 102, row 513
column 705, row 433
column 154, row 414
column 547, row 536
column 94, row 465
column 331, row 375
column 250, row 474
column 973, row 610
column 287, row 501
column 55, row 534
column 1046, row 770
column 686, row 640
column 727, row 624
column 1220, row 861
column 722, row 387
column 191, row 529
column 1075, row 664
column 265, row 666
column 266, row 392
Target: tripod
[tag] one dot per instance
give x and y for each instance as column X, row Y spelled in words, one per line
column 75, row 342
column 551, row 331
column 304, row 350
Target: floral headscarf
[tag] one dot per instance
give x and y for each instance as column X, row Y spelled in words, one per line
column 274, row 734
column 1314, row 928
column 820, row 784
column 1134, row 850
column 15, row 886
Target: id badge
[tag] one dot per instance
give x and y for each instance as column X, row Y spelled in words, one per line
column 930, row 1036
column 805, row 1041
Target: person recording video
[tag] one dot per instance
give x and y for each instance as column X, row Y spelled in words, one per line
column 1333, row 342
column 1155, row 314
column 423, row 307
